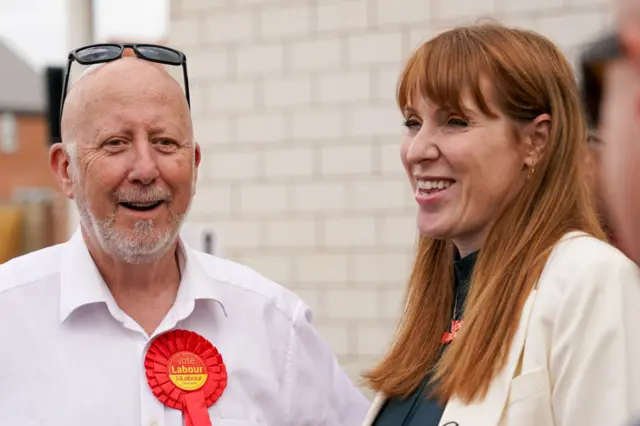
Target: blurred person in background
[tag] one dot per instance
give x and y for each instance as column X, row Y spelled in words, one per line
column 611, row 90
column 517, row 312
column 596, row 146
column 97, row 331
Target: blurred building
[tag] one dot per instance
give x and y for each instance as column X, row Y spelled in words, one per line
column 293, row 104
column 32, row 215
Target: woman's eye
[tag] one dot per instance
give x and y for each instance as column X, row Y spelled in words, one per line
column 457, row 122
column 412, row 124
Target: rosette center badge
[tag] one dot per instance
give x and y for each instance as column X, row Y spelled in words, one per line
column 187, row 371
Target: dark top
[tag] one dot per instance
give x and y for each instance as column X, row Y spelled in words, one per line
column 418, row 409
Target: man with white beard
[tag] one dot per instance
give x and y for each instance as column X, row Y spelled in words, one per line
column 125, row 324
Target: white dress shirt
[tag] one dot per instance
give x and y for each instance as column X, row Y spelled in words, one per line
column 69, row 356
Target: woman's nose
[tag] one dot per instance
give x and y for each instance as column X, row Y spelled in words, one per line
column 422, row 147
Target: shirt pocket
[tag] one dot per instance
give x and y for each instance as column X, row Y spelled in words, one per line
column 233, row 422
column 530, row 400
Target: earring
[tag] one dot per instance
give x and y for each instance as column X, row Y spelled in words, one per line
column 531, row 171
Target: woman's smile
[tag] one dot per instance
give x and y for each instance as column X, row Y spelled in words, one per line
column 430, row 190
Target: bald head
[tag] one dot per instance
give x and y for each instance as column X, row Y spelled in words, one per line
column 121, row 84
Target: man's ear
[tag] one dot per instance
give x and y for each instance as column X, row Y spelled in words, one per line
column 196, row 162
column 198, row 155
column 61, row 168
column 536, row 139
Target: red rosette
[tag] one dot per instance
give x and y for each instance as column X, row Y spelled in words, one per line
column 449, row 336
column 186, row 372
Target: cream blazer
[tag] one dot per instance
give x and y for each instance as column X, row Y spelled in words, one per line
column 575, row 358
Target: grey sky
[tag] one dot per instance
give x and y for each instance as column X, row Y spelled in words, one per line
column 38, row 28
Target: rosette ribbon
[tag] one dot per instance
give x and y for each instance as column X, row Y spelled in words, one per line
column 187, row 373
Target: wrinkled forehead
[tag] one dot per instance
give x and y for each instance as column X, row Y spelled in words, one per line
column 124, row 94
column 130, row 113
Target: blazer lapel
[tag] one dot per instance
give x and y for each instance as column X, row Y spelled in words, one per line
column 375, row 408
column 488, row 412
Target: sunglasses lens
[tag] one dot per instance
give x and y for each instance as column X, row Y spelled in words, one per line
column 591, row 89
column 98, row 53
column 594, row 61
column 593, row 111
column 160, row 54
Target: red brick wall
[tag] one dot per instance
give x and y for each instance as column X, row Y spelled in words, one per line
column 28, row 167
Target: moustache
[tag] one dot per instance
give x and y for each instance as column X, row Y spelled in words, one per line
column 142, row 195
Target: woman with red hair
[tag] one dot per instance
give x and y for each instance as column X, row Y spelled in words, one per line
column 518, row 312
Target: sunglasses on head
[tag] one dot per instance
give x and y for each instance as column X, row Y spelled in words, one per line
column 107, row 52
column 593, row 62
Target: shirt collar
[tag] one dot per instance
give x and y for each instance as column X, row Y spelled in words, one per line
column 81, row 283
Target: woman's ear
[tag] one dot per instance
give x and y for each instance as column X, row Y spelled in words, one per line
column 536, row 139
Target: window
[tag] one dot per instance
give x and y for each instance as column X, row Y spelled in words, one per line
column 9, row 134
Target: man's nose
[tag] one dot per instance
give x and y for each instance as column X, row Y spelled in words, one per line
column 144, row 168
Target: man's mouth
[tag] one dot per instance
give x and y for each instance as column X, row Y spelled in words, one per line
column 142, row 207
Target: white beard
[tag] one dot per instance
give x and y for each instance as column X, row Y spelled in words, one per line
column 144, row 245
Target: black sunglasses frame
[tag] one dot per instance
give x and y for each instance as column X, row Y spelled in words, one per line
column 74, row 55
column 592, row 63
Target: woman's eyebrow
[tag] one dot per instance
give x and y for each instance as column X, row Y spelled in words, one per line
column 410, row 111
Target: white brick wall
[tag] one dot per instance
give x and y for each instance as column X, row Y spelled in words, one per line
column 294, row 107
column 228, row 27
column 287, row 21
column 317, row 54
column 343, row 86
column 342, row 15
column 284, row 92
column 259, row 59
column 289, row 162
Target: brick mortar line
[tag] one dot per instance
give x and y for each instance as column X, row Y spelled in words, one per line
column 373, row 141
column 347, row 253
column 312, row 217
column 399, row 27
column 344, row 179
column 240, row 215
column 323, row 107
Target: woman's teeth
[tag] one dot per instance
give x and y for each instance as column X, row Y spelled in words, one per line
column 429, row 185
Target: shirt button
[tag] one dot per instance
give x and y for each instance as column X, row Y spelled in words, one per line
column 153, row 422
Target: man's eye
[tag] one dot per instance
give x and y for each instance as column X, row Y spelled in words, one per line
column 115, row 142
column 166, row 144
